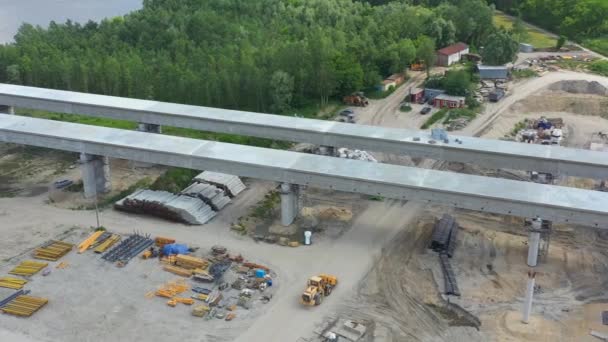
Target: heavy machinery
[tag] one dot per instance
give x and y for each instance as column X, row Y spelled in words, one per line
column 317, row 288
column 356, row 99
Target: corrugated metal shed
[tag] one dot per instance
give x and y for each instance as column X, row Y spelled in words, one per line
column 487, row 72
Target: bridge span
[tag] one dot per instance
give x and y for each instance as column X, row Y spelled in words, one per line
column 488, row 153
column 486, row 194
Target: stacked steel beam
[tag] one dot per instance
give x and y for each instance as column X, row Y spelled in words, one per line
column 232, row 185
column 208, row 193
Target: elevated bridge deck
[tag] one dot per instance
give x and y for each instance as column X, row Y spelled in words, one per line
column 493, row 154
column 451, row 189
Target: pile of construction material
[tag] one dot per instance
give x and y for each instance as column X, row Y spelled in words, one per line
column 226, row 282
column 19, row 304
column 166, row 205
column 196, row 205
column 213, row 196
column 443, row 241
column 545, row 131
column 53, row 250
column 128, row 249
column 356, row 155
column 232, row 185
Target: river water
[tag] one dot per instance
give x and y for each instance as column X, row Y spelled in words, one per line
column 40, row 12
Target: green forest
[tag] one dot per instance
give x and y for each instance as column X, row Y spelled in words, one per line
column 585, row 21
column 258, row 55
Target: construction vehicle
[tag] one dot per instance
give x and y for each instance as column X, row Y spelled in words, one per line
column 317, row 288
column 356, row 99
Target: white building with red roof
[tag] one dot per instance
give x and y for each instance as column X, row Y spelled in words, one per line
column 451, row 54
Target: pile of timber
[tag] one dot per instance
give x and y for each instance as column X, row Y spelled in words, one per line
column 190, row 262
column 232, row 185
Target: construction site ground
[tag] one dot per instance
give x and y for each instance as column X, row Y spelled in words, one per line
column 388, row 277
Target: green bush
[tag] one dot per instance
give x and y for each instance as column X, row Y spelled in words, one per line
column 525, row 73
column 434, row 118
column 599, row 67
column 174, row 180
column 406, row 108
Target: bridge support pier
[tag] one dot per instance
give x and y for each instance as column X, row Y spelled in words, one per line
column 528, row 300
column 95, row 174
column 7, row 109
column 534, row 242
column 533, row 245
column 289, row 203
column 149, row 128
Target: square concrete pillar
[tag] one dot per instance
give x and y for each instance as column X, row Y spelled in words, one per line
column 7, row 109
column 289, row 203
column 95, row 174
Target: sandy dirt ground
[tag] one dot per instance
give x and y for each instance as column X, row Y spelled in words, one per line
column 387, row 276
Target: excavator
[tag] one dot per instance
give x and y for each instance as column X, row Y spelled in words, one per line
column 317, row 288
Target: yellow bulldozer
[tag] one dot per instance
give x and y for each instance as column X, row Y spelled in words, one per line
column 317, row 288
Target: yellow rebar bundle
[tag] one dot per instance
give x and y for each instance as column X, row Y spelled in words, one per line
column 53, row 250
column 107, row 244
column 24, row 305
column 12, row 283
column 84, row 245
column 28, row 268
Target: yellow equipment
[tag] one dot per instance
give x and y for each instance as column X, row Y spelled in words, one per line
column 53, row 250
column 84, row 245
column 318, row 287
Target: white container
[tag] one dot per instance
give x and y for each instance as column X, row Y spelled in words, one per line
column 307, row 236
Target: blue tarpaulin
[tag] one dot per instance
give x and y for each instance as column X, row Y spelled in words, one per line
column 175, row 248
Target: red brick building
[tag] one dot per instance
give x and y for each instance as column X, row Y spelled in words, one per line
column 449, row 101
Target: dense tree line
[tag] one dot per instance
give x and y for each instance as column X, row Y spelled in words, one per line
column 261, row 55
column 578, row 19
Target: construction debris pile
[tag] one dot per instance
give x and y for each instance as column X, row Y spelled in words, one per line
column 196, row 205
column 545, row 131
column 231, row 283
column 443, row 241
column 232, row 185
column 342, row 330
column 345, row 153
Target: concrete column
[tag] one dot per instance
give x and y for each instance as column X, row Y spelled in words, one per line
column 534, row 242
column 95, row 174
column 289, row 204
column 149, row 128
column 7, row 109
column 528, row 300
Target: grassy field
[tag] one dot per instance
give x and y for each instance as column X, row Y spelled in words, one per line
column 599, row 45
column 538, row 39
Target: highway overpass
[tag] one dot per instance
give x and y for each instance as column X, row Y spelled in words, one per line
column 486, row 194
column 492, row 154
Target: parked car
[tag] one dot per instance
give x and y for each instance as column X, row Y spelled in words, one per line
column 425, row 110
column 347, row 112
